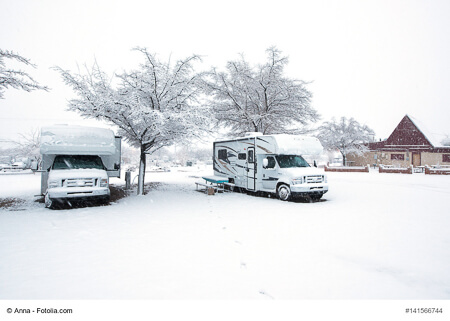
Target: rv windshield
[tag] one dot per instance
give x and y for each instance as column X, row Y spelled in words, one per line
column 77, row 162
column 289, row 161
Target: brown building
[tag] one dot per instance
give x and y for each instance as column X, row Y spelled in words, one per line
column 407, row 145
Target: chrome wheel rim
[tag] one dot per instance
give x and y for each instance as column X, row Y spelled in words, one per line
column 283, row 192
column 48, row 201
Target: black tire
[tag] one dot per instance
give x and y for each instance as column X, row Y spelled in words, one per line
column 49, row 203
column 316, row 197
column 106, row 200
column 284, row 192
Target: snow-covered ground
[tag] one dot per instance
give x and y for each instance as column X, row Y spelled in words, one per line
column 373, row 236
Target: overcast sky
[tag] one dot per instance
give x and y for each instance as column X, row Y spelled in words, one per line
column 372, row 60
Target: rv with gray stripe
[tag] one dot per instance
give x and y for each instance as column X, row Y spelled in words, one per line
column 273, row 164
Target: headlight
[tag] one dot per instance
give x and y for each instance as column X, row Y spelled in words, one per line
column 104, row 182
column 325, row 179
column 53, row 184
column 298, row 180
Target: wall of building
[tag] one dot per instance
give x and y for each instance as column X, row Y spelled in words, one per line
column 433, row 159
column 385, row 158
column 361, row 160
column 377, row 157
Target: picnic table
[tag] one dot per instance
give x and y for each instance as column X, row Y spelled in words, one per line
column 215, row 182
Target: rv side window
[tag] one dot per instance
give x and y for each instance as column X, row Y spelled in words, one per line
column 242, row 156
column 251, row 156
column 222, row 154
column 271, row 162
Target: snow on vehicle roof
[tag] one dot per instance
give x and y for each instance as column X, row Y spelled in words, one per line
column 298, row 144
column 78, row 140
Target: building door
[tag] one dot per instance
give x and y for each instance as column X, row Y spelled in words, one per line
column 416, row 160
column 251, row 162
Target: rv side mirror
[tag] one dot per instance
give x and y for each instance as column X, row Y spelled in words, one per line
column 116, row 166
column 265, row 162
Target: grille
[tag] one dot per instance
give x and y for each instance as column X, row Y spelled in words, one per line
column 314, row 179
column 80, row 182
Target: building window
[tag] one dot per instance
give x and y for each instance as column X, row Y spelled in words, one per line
column 446, row 158
column 400, row 157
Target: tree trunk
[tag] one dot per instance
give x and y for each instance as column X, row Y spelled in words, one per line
column 142, row 163
column 344, row 159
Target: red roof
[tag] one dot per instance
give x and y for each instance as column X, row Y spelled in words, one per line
column 405, row 136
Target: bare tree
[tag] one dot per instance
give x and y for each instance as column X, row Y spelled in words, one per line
column 29, row 144
column 17, row 79
column 260, row 98
column 345, row 135
column 153, row 106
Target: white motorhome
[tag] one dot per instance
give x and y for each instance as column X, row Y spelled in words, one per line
column 77, row 163
column 271, row 163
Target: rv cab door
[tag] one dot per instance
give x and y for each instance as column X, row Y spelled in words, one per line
column 251, row 165
column 112, row 162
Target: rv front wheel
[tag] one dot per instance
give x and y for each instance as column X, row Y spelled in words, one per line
column 284, row 192
column 48, row 201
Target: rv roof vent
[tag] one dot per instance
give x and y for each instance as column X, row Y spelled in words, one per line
column 250, row 134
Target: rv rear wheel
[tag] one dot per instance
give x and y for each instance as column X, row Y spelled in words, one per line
column 284, row 192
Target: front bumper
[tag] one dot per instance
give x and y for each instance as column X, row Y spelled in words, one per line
column 313, row 188
column 78, row 192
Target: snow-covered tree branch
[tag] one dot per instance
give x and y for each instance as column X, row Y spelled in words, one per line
column 259, row 98
column 17, row 79
column 29, row 143
column 153, row 106
column 446, row 141
column 345, row 135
